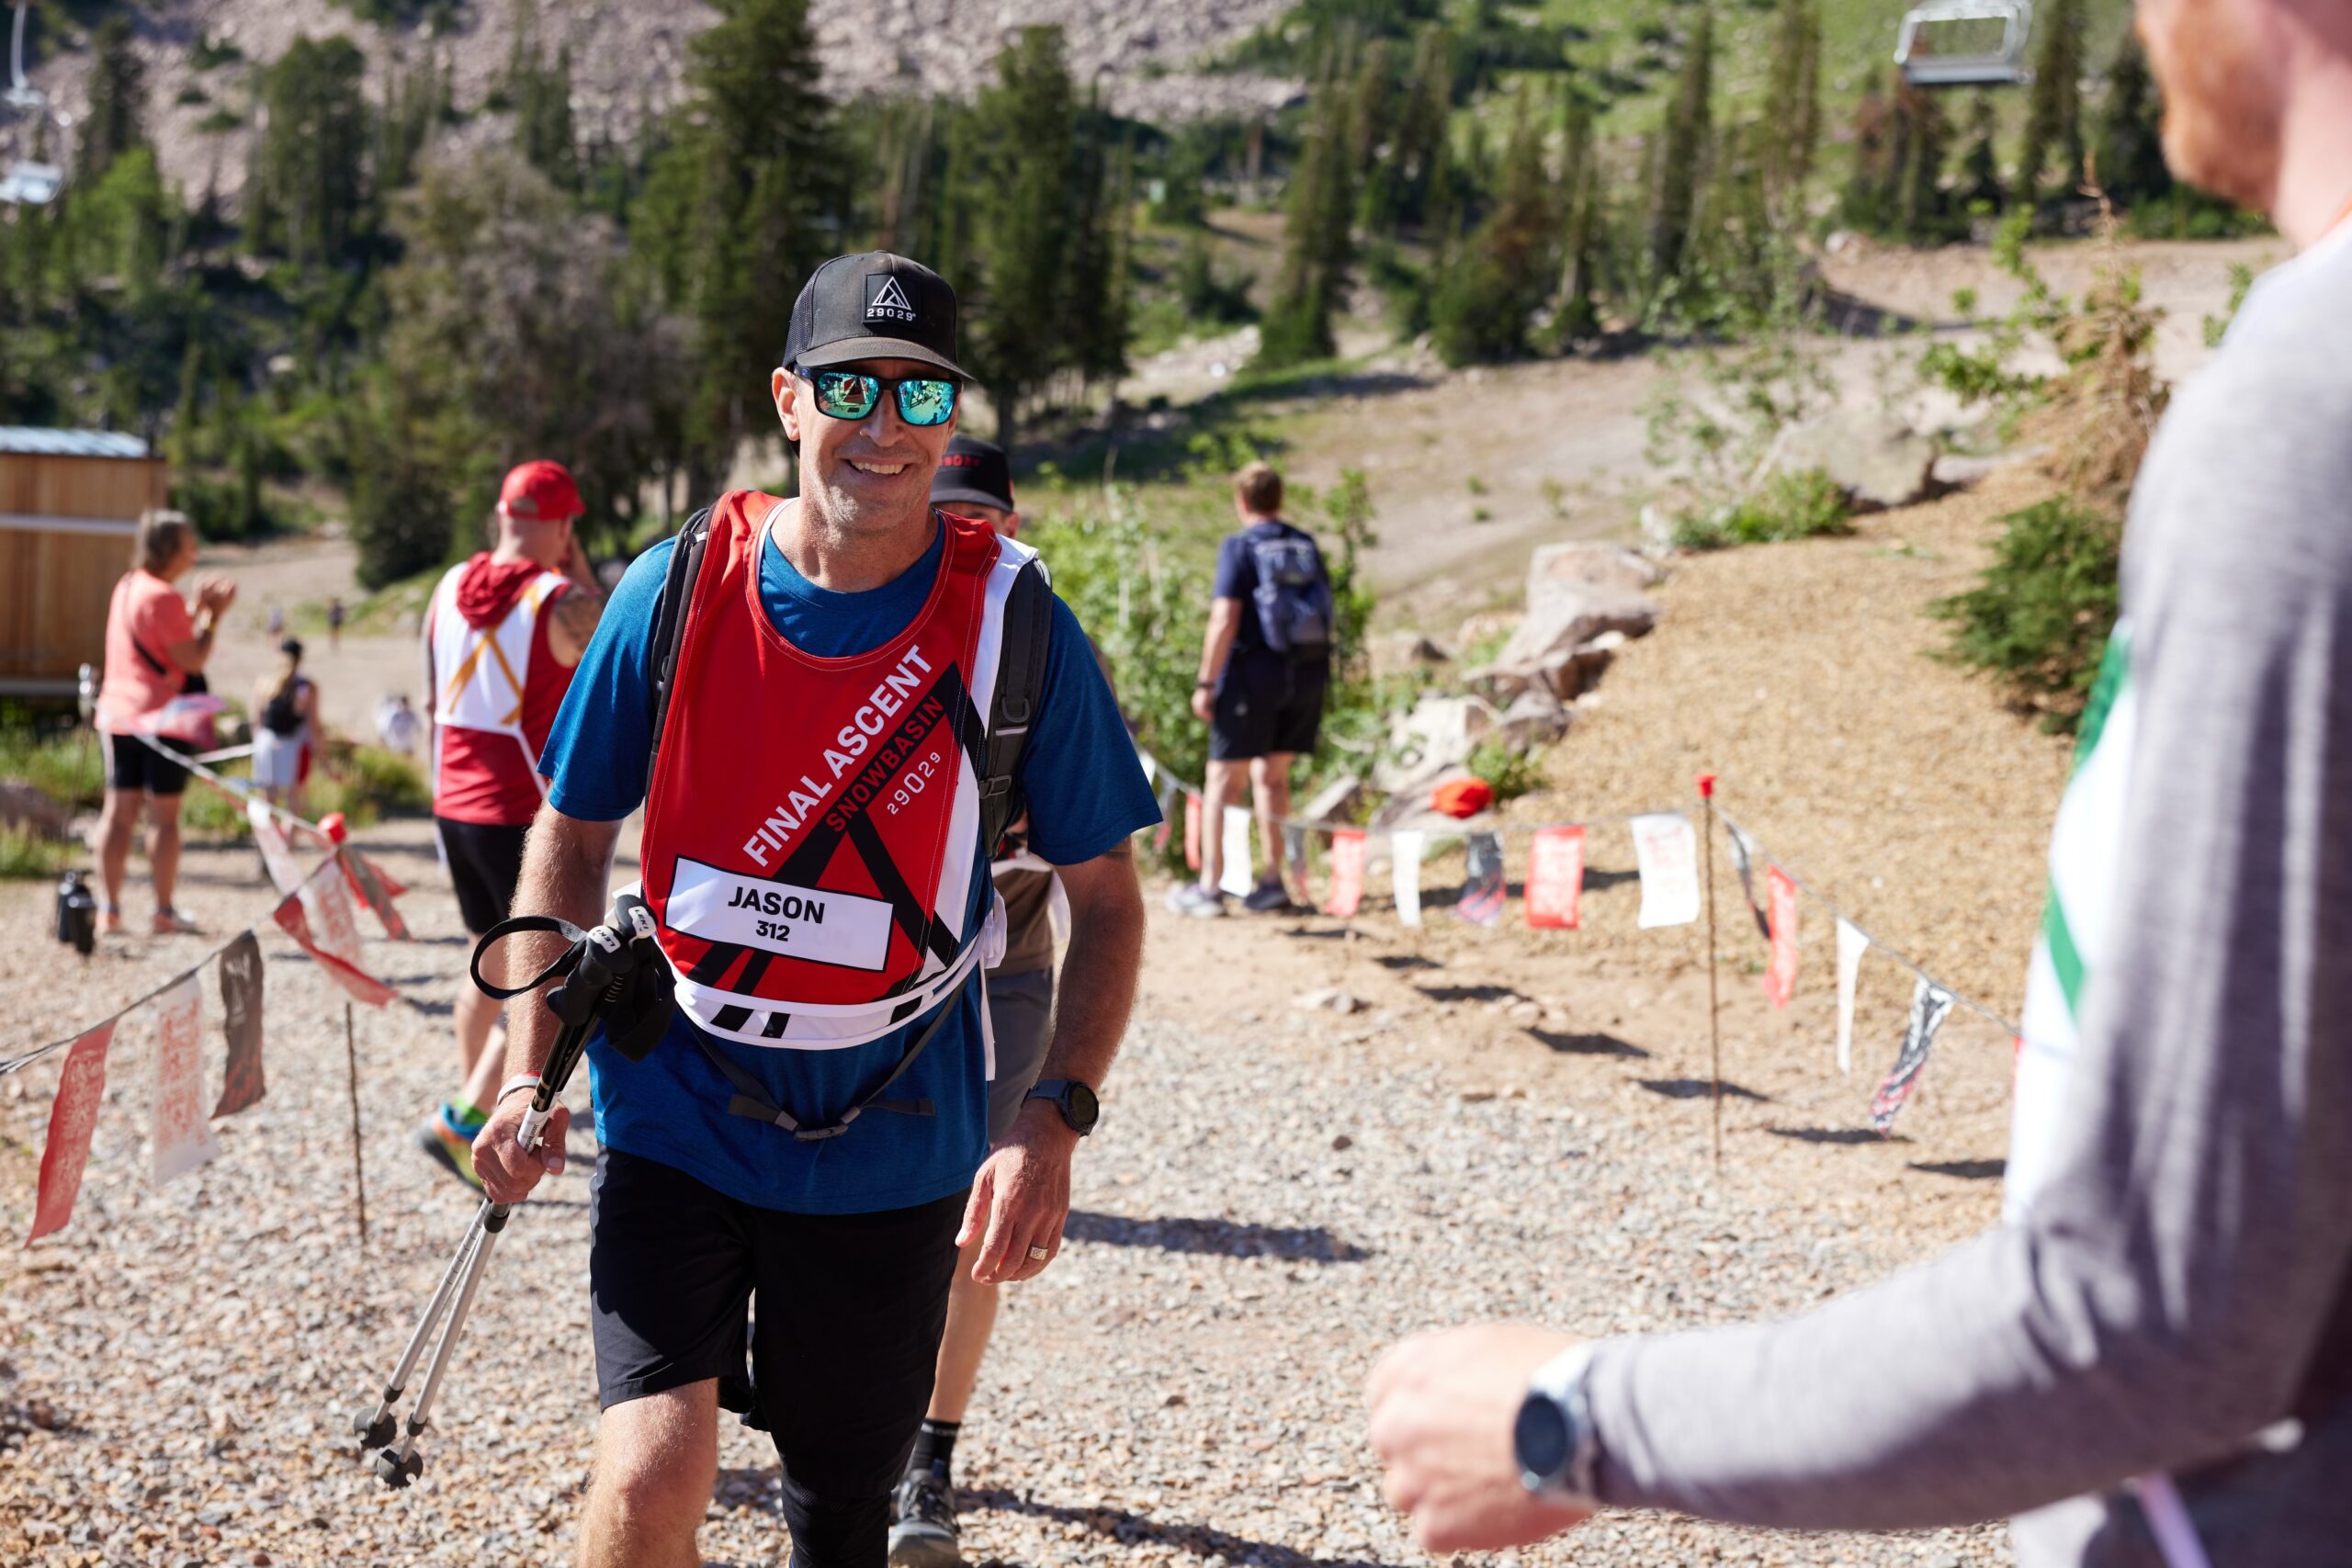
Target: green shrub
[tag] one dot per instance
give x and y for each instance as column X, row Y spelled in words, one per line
column 2040, row 617
column 1807, row 504
column 70, row 769
column 26, row 855
column 1508, row 771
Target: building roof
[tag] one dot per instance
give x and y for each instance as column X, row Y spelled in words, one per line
column 31, row 439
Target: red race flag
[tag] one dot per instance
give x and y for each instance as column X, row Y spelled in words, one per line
column 1347, row 871
column 71, row 1120
column 1781, row 974
column 367, row 880
column 1556, row 879
column 1191, row 830
column 362, row 985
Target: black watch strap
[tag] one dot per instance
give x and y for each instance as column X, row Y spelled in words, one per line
column 1074, row 1099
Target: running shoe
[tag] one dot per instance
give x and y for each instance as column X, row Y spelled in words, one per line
column 450, row 1146
column 1267, row 897
column 1191, row 898
column 922, row 1523
column 171, row 922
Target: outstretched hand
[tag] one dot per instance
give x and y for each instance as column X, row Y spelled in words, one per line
column 1443, row 1405
column 1021, row 1198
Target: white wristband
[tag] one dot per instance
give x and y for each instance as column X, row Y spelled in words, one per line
column 520, row 1080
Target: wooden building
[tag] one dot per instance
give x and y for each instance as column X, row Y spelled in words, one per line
column 70, row 502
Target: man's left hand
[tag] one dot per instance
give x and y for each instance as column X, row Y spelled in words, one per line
column 1444, row 1406
column 1020, row 1199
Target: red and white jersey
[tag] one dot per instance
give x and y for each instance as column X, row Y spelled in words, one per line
column 496, row 692
column 812, row 825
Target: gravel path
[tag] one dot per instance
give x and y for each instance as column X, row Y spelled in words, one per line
column 1274, row 1196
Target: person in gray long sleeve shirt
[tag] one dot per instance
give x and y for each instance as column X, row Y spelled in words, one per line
column 2150, row 1361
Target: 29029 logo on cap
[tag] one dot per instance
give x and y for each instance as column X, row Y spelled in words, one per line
column 885, row 301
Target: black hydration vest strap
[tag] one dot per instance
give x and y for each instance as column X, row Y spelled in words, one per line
column 750, row 1097
column 670, row 622
column 1020, row 673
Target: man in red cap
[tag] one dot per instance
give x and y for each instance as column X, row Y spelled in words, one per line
column 501, row 635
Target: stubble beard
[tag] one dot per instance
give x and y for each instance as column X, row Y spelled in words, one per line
column 2222, row 122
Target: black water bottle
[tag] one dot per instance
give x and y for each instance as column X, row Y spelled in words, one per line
column 77, row 915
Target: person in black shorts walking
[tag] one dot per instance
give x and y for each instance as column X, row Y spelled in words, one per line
column 1265, row 663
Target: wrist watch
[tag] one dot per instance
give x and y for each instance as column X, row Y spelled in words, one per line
column 1074, row 1099
column 1557, row 1450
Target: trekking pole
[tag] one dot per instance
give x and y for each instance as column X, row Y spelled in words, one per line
column 594, row 972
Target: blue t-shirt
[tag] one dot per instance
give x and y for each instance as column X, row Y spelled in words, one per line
column 1086, row 791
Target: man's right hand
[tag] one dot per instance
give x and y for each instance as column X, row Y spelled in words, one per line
column 508, row 1171
column 1204, row 704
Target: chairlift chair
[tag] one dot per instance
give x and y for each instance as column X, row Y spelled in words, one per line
column 27, row 182
column 1985, row 64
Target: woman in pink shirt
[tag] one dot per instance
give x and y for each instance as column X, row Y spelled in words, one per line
column 154, row 645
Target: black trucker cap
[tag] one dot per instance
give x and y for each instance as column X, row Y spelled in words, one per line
column 973, row 470
column 872, row 306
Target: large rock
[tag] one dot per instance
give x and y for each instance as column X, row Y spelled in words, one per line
column 1566, row 673
column 1535, row 717
column 1576, row 591
column 1879, row 462
column 1436, row 732
column 1336, row 801
column 24, row 809
column 1401, row 653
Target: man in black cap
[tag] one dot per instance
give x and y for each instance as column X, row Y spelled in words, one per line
column 814, row 1129
column 975, row 480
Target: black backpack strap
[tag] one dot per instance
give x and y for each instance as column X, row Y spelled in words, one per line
column 750, row 1097
column 1020, row 680
column 669, row 621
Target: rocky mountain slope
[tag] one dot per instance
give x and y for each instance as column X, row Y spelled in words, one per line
column 629, row 59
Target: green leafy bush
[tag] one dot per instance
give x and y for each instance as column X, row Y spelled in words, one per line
column 2040, row 617
column 70, row 769
column 1807, row 504
column 26, row 855
column 1508, row 771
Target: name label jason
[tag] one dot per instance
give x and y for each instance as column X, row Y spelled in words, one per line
column 813, row 924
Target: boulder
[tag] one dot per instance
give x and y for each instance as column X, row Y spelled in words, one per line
column 1401, row 653
column 1535, row 717
column 1336, row 801
column 24, row 809
column 1879, row 462
column 1566, row 673
column 1576, row 591
column 1408, row 806
column 1437, row 730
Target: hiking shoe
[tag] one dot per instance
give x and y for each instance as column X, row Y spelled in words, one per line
column 1191, row 898
column 451, row 1149
column 922, row 1523
column 1267, row 897
column 171, row 922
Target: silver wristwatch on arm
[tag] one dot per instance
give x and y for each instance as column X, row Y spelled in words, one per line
column 1557, row 1450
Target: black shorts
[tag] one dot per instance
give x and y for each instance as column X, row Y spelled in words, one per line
column 844, row 1339
column 485, row 862
column 133, row 765
column 1265, row 705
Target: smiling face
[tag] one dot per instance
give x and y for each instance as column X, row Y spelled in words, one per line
column 871, row 474
column 2217, row 65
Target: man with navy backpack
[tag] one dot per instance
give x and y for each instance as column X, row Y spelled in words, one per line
column 831, row 709
column 1265, row 663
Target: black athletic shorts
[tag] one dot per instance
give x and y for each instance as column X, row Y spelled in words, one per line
column 844, row 1343
column 485, row 862
column 133, row 765
column 1267, row 705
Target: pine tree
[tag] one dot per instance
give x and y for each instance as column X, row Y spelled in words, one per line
column 1980, row 165
column 2054, row 123
column 114, row 123
column 1318, row 246
column 1683, row 152
column 309, row 192
column 1581, row 201
column 1398, row 196
column 2131, row 154
column 1482, row 307
column 1795, row 115
column 1025, row 126
column 1918, row 195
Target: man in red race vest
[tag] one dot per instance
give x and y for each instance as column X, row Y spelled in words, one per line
column 503, row 633
column 806, row 1149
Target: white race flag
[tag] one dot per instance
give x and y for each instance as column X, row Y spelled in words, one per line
column 1404, row 866
column 1851, row 945
column 183, row 1137
column 275, row 852
column 1238, row 877
column 1667, row 850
